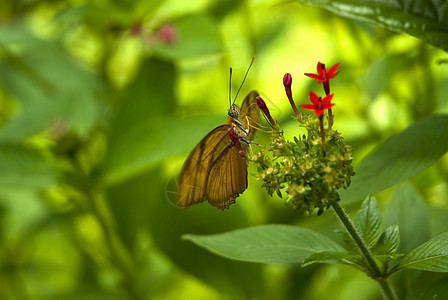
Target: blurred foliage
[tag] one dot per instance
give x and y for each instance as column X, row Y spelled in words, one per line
column 100, row 102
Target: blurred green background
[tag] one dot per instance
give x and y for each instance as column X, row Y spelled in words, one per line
column 101, row 102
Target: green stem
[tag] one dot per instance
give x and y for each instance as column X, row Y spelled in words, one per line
column 119, row 254
column 376, row 273
column 326, row 85
column 322, row 132
column 330, row 118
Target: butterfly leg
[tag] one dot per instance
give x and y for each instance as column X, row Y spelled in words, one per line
column 258, row 126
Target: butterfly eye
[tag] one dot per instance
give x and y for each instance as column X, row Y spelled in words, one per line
column 233, row 113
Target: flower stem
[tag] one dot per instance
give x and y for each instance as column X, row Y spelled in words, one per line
column 330, row 118
column 327, row 87
column 330, row 112
column 376, row 273
column 120, row 255
column 322, row 133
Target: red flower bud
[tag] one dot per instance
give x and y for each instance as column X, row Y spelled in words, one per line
column 287, row 82
column 262, row 105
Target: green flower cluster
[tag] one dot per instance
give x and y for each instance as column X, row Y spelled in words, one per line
column 308, row 170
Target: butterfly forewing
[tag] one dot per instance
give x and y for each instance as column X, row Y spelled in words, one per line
column 195, row 173
column 227, row 178
column 250, row 113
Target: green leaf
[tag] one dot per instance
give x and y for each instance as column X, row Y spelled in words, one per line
column 435, row 290
column 430, row 256
column 399, row 158
column 423, row 19
column 387, row 257
column 334, row 257
column 439, row 215
column 141, row 121
column 388, row 242
column 368, row 221
column 25, row 209
column 143, row 203
column 407, row 209
column 24, row 167
column 150, row 146
column 266, row 244
column 149, row 95
column 382, row 72
column 196, row 36
column 48, row 85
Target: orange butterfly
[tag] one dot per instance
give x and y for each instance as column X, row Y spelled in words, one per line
column 216, row 171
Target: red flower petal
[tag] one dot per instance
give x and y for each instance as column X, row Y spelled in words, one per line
column 314, row 76
column 313, row 98
column 331, row 73
column 320, row 71
column 307, row 106
column 327, row 99
column 327, row 106
column 318, row 112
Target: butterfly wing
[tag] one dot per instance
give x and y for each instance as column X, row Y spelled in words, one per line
column 213, row 171
column 250, row 113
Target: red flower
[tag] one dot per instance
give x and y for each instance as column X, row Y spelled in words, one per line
column 319, row 104
column 322, row 74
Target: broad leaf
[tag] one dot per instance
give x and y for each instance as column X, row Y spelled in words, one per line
column 23, row 167
column 435, row 290
column 148, row 143
column 334, row 257
column 140, row 120
column 382, row 72
column 399, row 158
column 388, row 242
column 387, row 257
column 423, row 19
column 49, row 86
column 141, row 204
column 407, row 209
column 144, row 130
column 196, row 36
column 24, row 210
column 430, row 256
column 267, row 244
column 368, row 221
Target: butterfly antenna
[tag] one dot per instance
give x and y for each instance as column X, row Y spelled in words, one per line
column 244, row 79
column 230, row 88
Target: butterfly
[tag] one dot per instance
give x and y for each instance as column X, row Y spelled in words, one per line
column 216, row 171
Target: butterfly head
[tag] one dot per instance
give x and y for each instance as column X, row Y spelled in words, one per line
column 234, row 112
